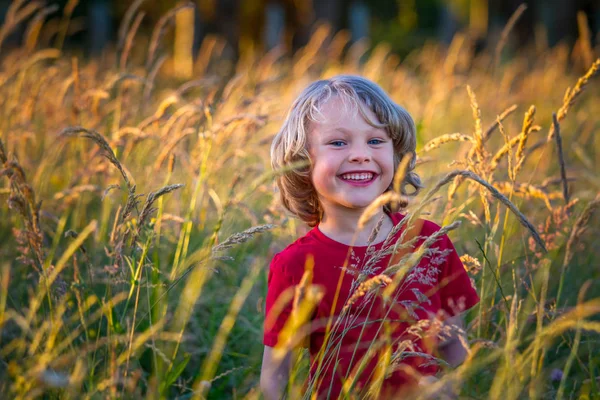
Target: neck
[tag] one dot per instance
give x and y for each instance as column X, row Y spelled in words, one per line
column 342, row 226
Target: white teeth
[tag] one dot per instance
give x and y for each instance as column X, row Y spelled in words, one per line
column 358, row 177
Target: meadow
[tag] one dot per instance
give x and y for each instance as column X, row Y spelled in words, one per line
column 139, row 213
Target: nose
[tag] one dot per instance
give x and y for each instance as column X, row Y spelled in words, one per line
column 359, row 154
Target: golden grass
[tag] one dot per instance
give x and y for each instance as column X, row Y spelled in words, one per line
column 115, row 293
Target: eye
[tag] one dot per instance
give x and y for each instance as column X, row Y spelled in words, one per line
column 337, row 143
column 376, row 141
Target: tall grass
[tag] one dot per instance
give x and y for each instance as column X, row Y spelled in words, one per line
column 138, row 212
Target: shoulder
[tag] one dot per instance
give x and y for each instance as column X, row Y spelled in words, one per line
column 291, row 260
column 421, row 226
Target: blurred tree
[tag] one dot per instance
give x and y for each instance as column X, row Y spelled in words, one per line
column 405, row 24
column 99, row 23
column 184, row 43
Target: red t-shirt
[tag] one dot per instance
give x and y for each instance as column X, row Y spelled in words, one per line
column 437, row 285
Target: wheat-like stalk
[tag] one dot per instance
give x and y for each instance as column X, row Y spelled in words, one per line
column 366, row 287
column 494, row 125
column 400, row 268
column 507, row 28
column 152, row 197
column 15, row 15
column 104, row 147
column 443, row 139
column 375, row 207
column 511, row 170
column 561, row 158
column 125, row 23
column 241, row 237
column 523, row 136
column 579, row 228
column 503, row 199
column 129, row 40
column 584, row 41
column 507, row 146
column 478, row 134
column 526, row 190
column 572, row 95
column 159, row 30
column 35, row 26
column 401, row 173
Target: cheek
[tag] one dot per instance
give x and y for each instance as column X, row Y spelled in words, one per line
column 320, row 173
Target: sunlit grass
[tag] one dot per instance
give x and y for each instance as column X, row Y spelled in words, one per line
column 121, row 186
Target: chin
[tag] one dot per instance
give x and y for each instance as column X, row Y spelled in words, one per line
column 360, row 204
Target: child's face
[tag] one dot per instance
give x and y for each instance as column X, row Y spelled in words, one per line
column 353, row 162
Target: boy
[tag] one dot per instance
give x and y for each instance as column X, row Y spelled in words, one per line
column 367, row 331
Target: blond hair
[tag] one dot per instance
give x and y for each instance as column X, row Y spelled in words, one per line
column 290, row 145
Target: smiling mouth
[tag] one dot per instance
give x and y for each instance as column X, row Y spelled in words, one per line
column 358, row 177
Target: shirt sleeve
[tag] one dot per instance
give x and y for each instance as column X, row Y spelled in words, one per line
column 278, row 304
column 456, row 290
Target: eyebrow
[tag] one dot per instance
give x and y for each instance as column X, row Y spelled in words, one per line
column 371, row 131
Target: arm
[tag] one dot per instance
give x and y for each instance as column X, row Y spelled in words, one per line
column 454, row 353
column 274, row 374
column 452, row 349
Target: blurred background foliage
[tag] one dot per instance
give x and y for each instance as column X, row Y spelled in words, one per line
column 251, row 25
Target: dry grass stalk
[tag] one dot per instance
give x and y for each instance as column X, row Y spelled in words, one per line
column 572, row 95
column 525, row 131
column 584, row 41
column 15, row 15
column 526, row 190
column 160, row 111
column 118, row 136
column 241, row 237
column 64, row 23
column 376, row 206
column 104, row 148
column 561, row 158
column 147, row 209
column 503, row 199
column 504, row 150
column 579, row 228
column 366, row 287
column 119, row 79
column 374, row 234
column 478, row 134
column 132, row 202
column 302, row 288
column 451, row 137
column 439, row 233
column 493, row 127
column 453, row 53
column 486, row 205
column 75, row 191
column 129, row 40
column 159, row 30
column 108, row 189
column 456, row 182
column 3, row 157
column 506, row 31
column 400, row 175
column 124, row 27
column 409, row 259
column 151, row 77
column 35, row 26
column 23, row 200
column 511, row 170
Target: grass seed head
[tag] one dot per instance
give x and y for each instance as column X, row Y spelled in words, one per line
column 451, row 137
column 571, row 95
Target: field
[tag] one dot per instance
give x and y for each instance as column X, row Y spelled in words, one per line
column 138, row 211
